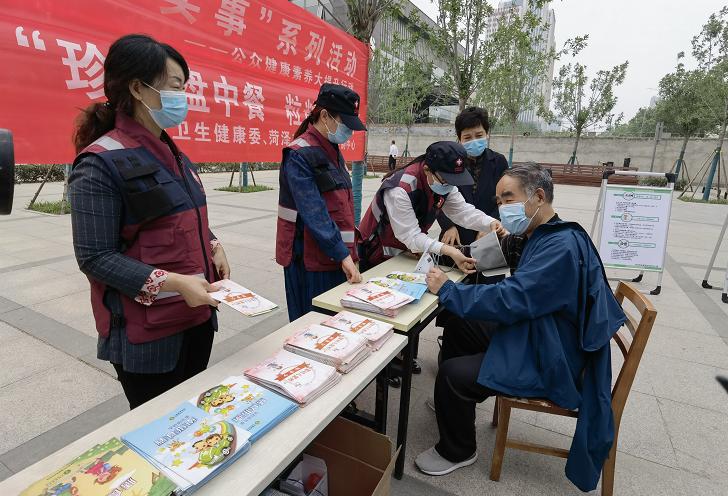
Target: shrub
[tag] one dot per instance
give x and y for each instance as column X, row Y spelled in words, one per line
column 35, row 173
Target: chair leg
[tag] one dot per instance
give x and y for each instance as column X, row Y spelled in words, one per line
column 494, row 422
column 608, row 471
column 501, row 436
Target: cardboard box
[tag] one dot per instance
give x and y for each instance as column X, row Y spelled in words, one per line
column 359, row 460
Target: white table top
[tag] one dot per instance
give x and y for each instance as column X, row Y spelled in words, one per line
column 409, row 315
column 270, row 455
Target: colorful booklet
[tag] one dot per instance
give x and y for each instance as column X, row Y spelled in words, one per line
column 412, row 277
column 247, row 405
column 376, row 299
column 108, row 469
column 376, row 332
column 241, row 298
column 410, row 289
column 301, row 379
column 189, row 446
column 341, row 349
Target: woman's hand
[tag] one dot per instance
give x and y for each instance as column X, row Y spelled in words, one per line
column 195, row 290
column 219, row 259
column 451, row 236
column 465, row 264
column 350, row 270
column 498, row 228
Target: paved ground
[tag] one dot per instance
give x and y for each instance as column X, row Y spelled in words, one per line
column 674, row 435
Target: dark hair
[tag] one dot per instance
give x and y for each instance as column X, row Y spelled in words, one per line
column 532, row 176
column 134, row 56
column 392, row 141
column 471, row 117
column 312, row 118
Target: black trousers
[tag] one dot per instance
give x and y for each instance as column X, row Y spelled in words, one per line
column 392, row 162
column 193, row 359
column 456, row 387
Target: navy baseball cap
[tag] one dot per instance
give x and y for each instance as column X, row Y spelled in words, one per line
column 447, row 158
column 344, row 102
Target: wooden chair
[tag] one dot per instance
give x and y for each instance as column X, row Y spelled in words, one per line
column 632, row 345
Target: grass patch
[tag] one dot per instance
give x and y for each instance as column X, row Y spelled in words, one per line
column 373, row 176
column 713, row 201
column 50, row 207
column 244, row 189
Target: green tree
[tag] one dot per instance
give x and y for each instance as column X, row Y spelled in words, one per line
column 514, row 67
column 401, row 85
column 459, row 40
column 363, row 16
column 571, row 101
column 682, row 106
column 643, row 124
column 710, row 49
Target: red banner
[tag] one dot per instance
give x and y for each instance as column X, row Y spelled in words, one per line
column 256, row 67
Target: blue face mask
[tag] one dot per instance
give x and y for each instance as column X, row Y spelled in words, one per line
column 342, row 135
column 476, row 147
column 442, row 189
column 513, row 217
column 173, row 111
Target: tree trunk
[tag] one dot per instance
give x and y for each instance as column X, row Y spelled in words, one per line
column 462, row 102
column 513, row 140
column 45, row 179
column 406, row 143
column 679, row 162
column 716, row 155
column 572, row 160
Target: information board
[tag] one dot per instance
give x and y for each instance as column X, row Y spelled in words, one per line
column 635, row 220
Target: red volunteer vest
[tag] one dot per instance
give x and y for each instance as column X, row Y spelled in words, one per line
column 334, row 185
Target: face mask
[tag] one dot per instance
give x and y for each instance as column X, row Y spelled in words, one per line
column 476, row 147
column 173, row 111
column 513, row 216
column 342, row 134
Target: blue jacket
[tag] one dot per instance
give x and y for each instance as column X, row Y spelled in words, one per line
column 557, row 316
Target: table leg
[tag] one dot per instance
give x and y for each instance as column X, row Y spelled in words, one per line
column 404, row 402
column 381, row 401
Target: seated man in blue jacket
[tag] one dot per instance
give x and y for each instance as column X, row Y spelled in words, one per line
column 545, row 334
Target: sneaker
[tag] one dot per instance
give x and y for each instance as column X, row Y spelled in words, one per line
column 430, row 402
column 431, row 463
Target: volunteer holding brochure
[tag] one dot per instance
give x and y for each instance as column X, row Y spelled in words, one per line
column 140, row 228
column 408, row 202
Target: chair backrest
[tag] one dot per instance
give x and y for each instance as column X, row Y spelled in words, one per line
column 632, row 340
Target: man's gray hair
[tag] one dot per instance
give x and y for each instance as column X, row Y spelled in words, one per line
column 532, row 176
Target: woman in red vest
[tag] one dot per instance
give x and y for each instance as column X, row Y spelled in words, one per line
column 315, row 236
column 140, row 228
column 408, row 202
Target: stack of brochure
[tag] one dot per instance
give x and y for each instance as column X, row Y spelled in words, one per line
column 340, row 349
column 377, row 333
column 247, row 405
column 241, row 298
column 106, row 469
column 299, row 378
column 413, row 277
column 376, row 299
column 189, row 446
column 409, row 288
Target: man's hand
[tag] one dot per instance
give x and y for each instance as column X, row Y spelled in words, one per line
column 435, row 279
column 350, row 270
column 219, row 259
column 498, row 228
column 192, row 288
column 451, row 236
column 465, row 264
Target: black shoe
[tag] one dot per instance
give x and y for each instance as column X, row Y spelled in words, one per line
column 394, row 382
column 396, row 367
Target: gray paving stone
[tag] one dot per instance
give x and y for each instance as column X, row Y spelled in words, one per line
column 25, row 357
column 45, row 400
column 698, row 437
